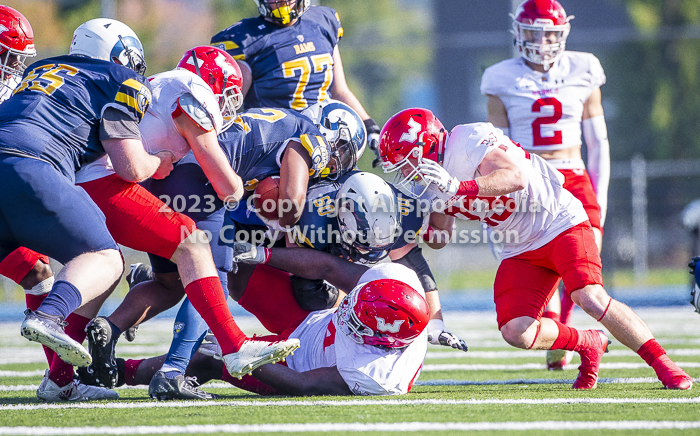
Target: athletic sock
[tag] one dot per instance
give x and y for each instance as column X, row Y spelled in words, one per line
column 567, row 307
column 567, row 339
column 116, row 332
column 33, row 303
column 60, row 372
column 188, row 334
column 650, row 351
column 63, row 299
column 207, row 296
column 130, row 368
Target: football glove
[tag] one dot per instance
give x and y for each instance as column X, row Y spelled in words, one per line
column 373, row 131
column 439, row 335
column 437, row 175
column 274, row 230
column 246, row 252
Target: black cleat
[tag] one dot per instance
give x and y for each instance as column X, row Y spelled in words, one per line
column 179, row 387
column 101, row 345
column 86, row 375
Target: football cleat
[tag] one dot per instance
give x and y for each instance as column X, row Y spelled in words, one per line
column 87, row 375
column 558, row 359
column 101, row 345
column 671, row 375
column 48, row 330
column 253, row 354
column 176, row 386
column 74, row 391
column 595, row 344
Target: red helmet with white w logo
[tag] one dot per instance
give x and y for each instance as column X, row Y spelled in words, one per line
column 221, row 72
column 408, row 137
column 541, row 28
column 383, row 313
column 16, row 42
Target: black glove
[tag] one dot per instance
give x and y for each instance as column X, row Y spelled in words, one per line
column 373, row 131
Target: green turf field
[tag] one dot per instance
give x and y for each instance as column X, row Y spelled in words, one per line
column 492, row 389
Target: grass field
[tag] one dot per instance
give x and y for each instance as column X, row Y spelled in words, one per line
column 493, row 389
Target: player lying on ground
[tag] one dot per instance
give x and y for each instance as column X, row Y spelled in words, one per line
column 262, row 143
column 477, row 173
column 373, row 344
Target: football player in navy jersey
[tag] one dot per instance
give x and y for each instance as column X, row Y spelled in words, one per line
column 289, row 57
column 66, row 112
column 261, row 143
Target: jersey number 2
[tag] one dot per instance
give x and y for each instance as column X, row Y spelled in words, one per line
column 321, row 64
column 537, row 138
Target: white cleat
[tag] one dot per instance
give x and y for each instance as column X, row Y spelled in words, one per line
column 254, row 353
column 74, row 391
column 558, row 359
column 48, row 330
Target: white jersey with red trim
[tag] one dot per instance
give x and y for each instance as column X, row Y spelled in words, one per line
column 545, row 109
column 523, row 220
column 158, row 130
column 8, row 87
column 367, row 370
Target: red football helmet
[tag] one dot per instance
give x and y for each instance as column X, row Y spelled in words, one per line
column 384, row 313
column 223, row 75
column 16, row 43
column 541, row 28
column 408, row 137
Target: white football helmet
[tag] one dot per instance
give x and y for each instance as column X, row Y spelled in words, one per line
column 109, row 40
column 368, row 218
column 343, row 130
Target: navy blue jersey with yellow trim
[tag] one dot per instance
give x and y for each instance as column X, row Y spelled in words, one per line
column 54, row 114
column 292, row 66
column 255, row 143
column 318, row 225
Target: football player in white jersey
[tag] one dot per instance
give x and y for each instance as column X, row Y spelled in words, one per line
column 478, row 173
column 544, row 100
column 374, row 343
column 191, row 105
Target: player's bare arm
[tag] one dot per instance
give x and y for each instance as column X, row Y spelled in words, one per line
column 497, row 113
column 500, row 174
column 340, row 90
column 205, row 146
column 320, row 381
column 132, row 163
column 294, row 180
column 439, row 231
column 304, row 262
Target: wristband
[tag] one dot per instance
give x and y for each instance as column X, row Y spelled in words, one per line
column 468, row 188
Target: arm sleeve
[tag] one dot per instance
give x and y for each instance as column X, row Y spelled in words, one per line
column 595, row 132
column 116, row 124
column 415, row 260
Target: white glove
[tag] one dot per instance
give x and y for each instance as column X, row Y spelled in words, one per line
column 246, row 252
column 436, row 174
column 210, row 347
column 274, row 230
column 439, row 335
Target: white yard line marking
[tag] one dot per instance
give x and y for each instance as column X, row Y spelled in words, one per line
column 516, row 354
column 496, row 367
column 518, row 381
column 38, row 372
column 345, row 403
column 357, row 427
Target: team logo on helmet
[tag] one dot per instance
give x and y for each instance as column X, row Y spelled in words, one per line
column 394, row 327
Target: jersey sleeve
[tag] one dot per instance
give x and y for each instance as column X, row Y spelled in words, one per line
column 231, row 41
column 133, row 98
column 333, row 25
column 477, row 140
column 411, row 220
column 319, row 151
column 597, row 73
column 490, row 84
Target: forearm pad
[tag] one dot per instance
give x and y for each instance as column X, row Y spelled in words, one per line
column 414, row 259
